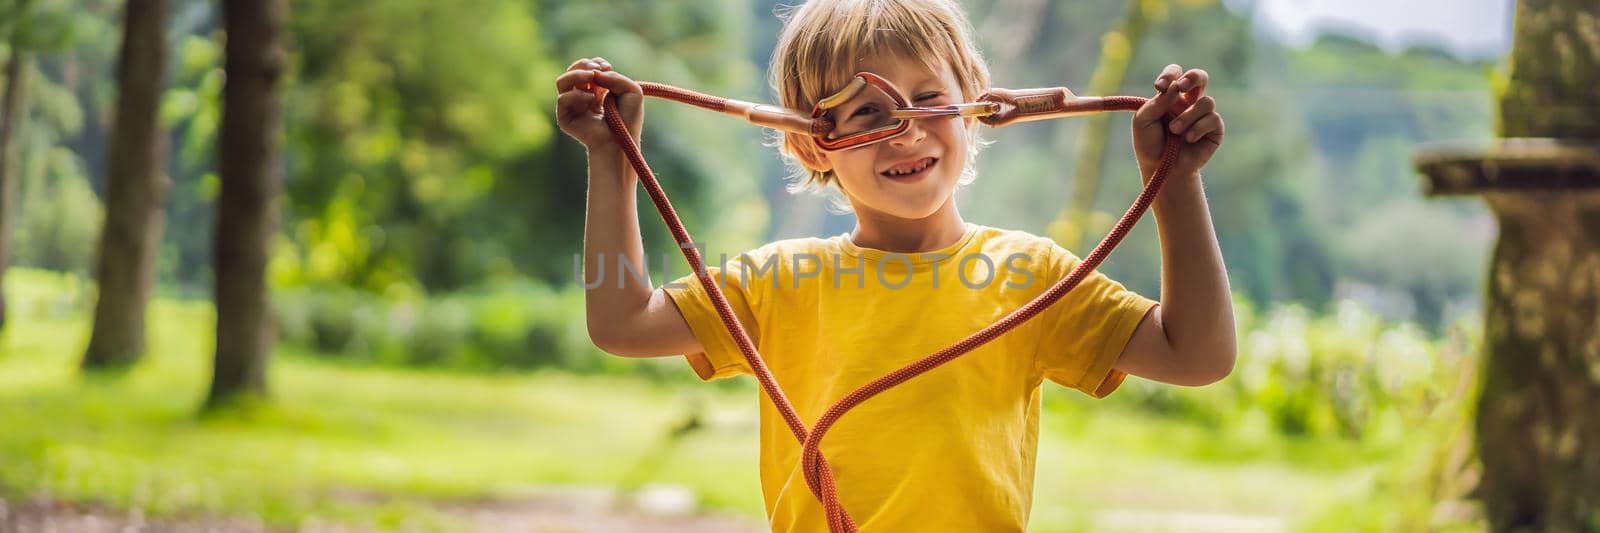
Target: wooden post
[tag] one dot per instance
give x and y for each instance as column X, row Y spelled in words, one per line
column 1538, row 419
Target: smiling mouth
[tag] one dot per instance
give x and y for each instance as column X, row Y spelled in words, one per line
column 914, row 170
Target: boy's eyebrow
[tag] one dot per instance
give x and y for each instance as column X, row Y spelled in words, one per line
column 927, row 84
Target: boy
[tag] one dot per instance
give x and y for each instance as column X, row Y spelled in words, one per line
column 952, row 450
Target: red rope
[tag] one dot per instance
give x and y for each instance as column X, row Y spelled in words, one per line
column 679, row 94
column 818, row 476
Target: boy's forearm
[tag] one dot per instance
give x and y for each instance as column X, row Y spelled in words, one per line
column 1196, row 302
column 611, row 231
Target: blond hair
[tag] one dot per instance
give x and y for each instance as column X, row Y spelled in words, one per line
column 822, row 40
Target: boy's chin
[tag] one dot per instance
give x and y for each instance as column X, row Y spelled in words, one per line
column 905, row 205
column 914, row 210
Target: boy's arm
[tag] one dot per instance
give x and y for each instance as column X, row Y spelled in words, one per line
column 626, row 316
column 1189, row 338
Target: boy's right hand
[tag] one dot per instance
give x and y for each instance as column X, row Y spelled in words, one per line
column 578, row 108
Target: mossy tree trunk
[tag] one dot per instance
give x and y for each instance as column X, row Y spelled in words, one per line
column 1538, row 422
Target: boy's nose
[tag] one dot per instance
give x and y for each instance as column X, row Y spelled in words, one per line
column 912, row 136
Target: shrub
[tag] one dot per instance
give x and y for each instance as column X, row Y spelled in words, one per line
column 1345, row 375
column 505, row 325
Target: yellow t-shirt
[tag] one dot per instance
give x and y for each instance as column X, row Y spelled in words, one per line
column 950, row 450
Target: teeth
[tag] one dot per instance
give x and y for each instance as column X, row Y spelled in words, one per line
column 913, row 170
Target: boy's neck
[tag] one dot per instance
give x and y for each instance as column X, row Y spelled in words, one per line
column 889, row 233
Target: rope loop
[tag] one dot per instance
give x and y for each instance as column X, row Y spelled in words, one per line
column 819, row 478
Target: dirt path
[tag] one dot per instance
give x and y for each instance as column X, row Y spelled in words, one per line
column 576, row 512
column 564, row 510
column 45, row 515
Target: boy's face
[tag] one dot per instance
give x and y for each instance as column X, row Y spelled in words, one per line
column 875, row 178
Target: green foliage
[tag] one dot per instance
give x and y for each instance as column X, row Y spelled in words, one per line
column 190, row 113
column 59, row 227
column 504, row 326
column 1344, row 376
column 1316, row 161
column 43, row 25
column 400, row 144
column 421, row 150
column 707, row 162
column 421, row 155
column 1429, row 484
column 57, row 216
column 421, row 165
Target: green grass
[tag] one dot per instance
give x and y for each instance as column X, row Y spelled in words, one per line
column 331, row 436
column 378, row 446
column 1119, row 460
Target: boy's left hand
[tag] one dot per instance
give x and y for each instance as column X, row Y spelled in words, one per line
column 1196, row 121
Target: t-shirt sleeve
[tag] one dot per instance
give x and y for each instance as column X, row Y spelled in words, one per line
column 721, row 358
column 1084, row 333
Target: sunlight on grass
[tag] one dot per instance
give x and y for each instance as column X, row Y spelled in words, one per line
column 1092, row 464
column 330, row 434
column 382, row 447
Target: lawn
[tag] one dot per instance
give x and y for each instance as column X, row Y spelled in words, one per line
column 388, row 448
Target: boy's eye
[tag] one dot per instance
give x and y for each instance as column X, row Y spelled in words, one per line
column 929, row 96
column 863, row 111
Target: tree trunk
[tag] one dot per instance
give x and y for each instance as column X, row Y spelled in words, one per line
column 14, row 105
column 1537, row 429
column 1537, row 432
column 135, row 188
column 247, row 204
column 1555, row 71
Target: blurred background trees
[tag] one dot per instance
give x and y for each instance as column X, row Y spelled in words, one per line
column 422, row 210
column 412, row 167
column 429, row 211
